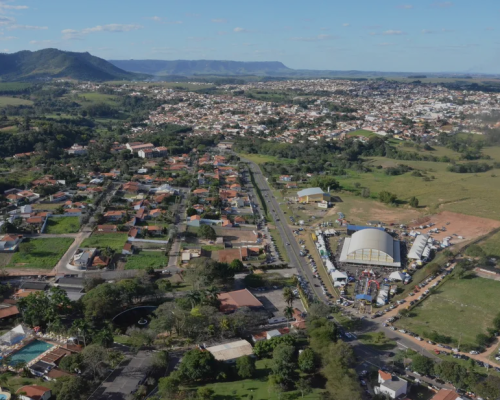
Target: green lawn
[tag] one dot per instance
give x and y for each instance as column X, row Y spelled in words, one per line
column 377, row 340
column 14, row 382
column 145, row 259
column 213, row 247
column 40, row 253
column 473, row 194
column 362, row 132
column 62, row 225
column 14, row 101
column 113, row 240
column 257, row 387
column 491, row 245
column 460, row 307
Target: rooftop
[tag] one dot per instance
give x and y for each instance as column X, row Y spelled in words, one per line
column 231, row 301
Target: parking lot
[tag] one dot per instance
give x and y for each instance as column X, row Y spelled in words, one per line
column 273, row 301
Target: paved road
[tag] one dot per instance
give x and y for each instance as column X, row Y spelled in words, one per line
column 293, row 249
column 62, row 266
column 180, row 218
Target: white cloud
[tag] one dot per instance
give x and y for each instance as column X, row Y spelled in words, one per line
column 385, row 44
column 313, row 38
column 431, row 31
column 391, row 32
column 222, row 33
column 43, row 43
column 28, row 27
column 346, row 24
column 163, row 20
column 114, row 28
column 219, row 20
column 6, row 20
column 443, row 4
column 239, row 30
column 405, row 6
column 6, row 38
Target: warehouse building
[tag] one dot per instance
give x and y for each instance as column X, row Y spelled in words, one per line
column 313, row 195
column 371, row 247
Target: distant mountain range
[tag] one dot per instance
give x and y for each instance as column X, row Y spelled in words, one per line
column 53, row 63
column 202, row 67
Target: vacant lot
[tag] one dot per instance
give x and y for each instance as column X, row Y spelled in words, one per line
column 358, row 210
column 146, row 259
column 40, row 253
column 362, row 132
column 467, row 226
column 261, row 159
column 113, row 240
column 62, row 225
column 14, row 101
column 460, row 307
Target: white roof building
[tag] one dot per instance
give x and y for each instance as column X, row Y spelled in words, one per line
column 417, row 249
column 372, row 247
column 231, row 351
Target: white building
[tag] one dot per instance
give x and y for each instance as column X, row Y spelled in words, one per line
column 391, row 385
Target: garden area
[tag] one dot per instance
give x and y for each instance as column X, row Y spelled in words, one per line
column 40, row 253
column 62, row 225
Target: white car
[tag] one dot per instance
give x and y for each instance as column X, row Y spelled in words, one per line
column 402, row 331
column 474, row 352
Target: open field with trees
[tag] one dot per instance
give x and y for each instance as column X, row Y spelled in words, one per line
column 40, row 253
column 62, row 225
column 460, row 309
column 14, row 101
column 362, row 132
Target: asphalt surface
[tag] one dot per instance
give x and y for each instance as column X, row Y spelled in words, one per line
column 280, row 221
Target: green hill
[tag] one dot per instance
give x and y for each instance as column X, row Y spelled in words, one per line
column 53, row 63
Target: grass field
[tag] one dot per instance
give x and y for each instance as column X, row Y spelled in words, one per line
column 113, row 240
column 362, row 132
column 14, row 101
column 261, row 159
column 473, row 194
column 48, row 207
column 377, row 340
column 145, row 259
column 40, row 253
column 62, row 225
column 491, row 245
column 460, row 307
column 257, row 387
column 213, row 247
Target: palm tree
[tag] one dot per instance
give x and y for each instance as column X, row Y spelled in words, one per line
column 212, row 294
column 288, row 296
column 194, row 297
column 288, row 311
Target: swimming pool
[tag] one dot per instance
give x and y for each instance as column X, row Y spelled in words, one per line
column 3, row 397
column 29, row 352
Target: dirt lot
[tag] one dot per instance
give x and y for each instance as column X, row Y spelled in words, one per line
column 236, row 235
column 467, row 226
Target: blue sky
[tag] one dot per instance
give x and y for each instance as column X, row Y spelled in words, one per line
column 382, row 35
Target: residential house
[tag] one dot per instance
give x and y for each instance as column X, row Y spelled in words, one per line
column 201, row 192
column 446, row 394
column 154, row 230
column 285, row 178
column 154, row 213
column 230, row 352
column 231, row 301
column 391, row 385
column 107, row 228
column 77, row 150
column 82, row 258
column 188, row 254
column 128, row 249
column 114, row 215
column 59, row 196
column 10, row 243
column 36, row 221
column 34, row 392
column 100, row 261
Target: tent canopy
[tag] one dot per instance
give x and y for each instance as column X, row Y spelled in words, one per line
column 397, row 276
column 15, row 335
